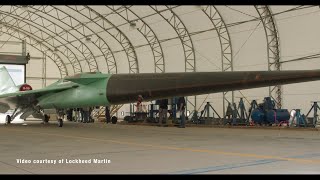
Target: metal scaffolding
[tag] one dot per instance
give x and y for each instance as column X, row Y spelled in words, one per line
column 273, row 49
column 46, row 37
column 114, row 32
column 226, row 48
column 11, row 31
column 189, row 56
column 147, row 32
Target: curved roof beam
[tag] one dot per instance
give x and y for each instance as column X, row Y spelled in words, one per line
column 97, row 40
column 36, row 44
column 148, row 34
column 183, row 34
column 225, row 45
column 273, row 49
column 117, row 34
column 127, row 14
column 173, row 19
column 20, row 24
column 20, row 21
column 132, row 64
column 66, row 35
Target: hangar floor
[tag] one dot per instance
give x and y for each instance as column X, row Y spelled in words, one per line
column 157, row 150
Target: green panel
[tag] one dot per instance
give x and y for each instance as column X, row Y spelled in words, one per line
column 88, row 95
column 87, row 78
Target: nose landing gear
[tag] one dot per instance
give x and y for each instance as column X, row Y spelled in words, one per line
column 60, row 114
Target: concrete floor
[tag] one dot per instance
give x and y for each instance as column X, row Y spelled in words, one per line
column 134, row 149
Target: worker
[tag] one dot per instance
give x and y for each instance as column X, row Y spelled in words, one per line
column 85, row 114
column 28, row 57
column 139, row 104
column 74, row 114
column 69, row 114
column 181, row 108
column 81, row 115
column 229, row 113
column 91, row 120
column 163, row 110
column 234, row 114
column 140, row 109
column 108, row 117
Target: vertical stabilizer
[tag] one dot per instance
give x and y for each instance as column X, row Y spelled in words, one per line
column 6, row 83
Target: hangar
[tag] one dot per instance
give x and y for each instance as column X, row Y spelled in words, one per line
column 251, row 131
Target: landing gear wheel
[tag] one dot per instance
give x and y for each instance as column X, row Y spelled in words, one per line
column 60, row 123
column 8, row 119
column 46, row 118
column 114, row 120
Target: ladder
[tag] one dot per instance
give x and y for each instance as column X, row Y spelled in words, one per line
column 100, row 113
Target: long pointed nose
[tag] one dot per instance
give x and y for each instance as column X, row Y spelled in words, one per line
column 124, row 88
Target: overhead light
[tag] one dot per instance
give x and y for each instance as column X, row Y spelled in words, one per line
column 133, row 24
column 88, row 38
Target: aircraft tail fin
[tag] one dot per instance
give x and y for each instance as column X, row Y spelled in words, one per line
column 6, row 82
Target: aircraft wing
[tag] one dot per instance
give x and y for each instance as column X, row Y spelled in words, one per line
column 37, row 92
column 28, row 98
column 124, row 88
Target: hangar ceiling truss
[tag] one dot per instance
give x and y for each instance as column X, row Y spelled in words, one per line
column 144, row 29
column 189, row 56
column 73, row 37
column 90, row 35
column 225, row 45
column 115, row 32
column 70, row 26
column 11, row 31
column 273, row 49
column 46, row 32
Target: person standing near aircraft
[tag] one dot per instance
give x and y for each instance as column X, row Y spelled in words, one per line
column 85, row 115
column 81, row 114
column 139, row 104
column 181, row 108
column 107, row 114
column 140, row 109
column 163, row 110
column 91, row 120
